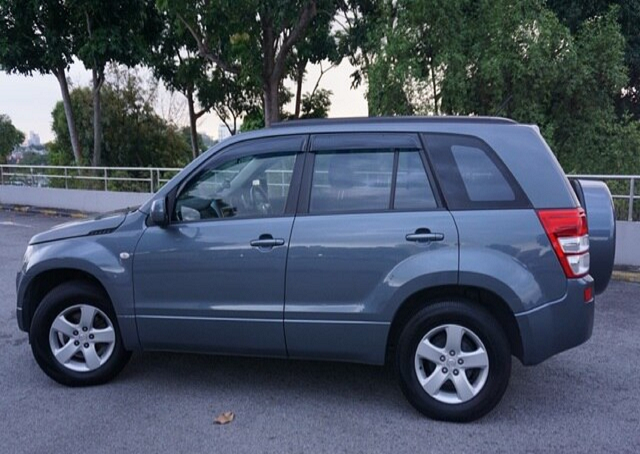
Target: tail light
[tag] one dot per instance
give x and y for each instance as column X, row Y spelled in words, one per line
column 568, row 232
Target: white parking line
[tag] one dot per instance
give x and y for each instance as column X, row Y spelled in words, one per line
column 14, row 224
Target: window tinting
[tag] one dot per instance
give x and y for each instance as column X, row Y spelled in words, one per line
column 471, row 175
column 351, row 181
column 252, row 186
column 482, row 179
column 413, row 191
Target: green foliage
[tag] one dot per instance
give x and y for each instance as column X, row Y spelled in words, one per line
column 186, row 136
column 134, row 135
column 511, row 58
column 316, row 104
column 572, row 67
column 45, row 35
column 10, row 137
column 35, row 36
column 34, row 159
column 574, row 13
column 255, row 44
column 363, row 23
column 173, row 57
column 112, row 31
column 229, row 96
column 253, row 120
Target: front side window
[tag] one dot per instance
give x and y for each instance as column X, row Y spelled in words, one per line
column 245, row 187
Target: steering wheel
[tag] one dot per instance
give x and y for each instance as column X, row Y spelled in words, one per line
column 259, row 199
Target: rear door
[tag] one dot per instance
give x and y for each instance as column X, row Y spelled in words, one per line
column 369, row 228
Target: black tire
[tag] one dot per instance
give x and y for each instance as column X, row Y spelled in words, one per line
column 496, row 344
column 54, row 303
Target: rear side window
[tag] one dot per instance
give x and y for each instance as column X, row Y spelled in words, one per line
column 482, row 179
column 370, row 180
column 471, row 174
column 357, row 180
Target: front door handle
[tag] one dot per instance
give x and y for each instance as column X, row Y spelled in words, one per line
column 267, row 241
column 424, row 236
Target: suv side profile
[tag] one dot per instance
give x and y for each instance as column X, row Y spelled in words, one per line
column 443, row 246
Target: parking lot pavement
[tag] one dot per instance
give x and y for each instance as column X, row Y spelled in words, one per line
column 584, row 400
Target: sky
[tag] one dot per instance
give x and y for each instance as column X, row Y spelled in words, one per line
column 29, row 100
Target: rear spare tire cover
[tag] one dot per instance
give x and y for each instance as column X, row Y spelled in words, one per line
column 596, row 199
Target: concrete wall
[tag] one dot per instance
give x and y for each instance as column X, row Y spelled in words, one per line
column 628, row 243
column 70, row 199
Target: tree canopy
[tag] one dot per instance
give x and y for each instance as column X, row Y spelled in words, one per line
column 36, row 36
column 134, row 135
column 10, row 137
column 256, row 43
column 513, row 58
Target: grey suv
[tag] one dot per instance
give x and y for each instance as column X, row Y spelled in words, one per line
column 443, row 246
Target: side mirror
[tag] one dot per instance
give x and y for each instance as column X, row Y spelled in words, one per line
column 159, row 213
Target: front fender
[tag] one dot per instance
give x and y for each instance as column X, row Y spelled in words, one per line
column 107, row 258
column 86, row 256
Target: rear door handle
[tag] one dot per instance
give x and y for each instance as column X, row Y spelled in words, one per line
column 267, row 241
column 424, row 236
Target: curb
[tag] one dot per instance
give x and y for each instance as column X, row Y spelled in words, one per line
column 626, row 276
column 44, row 211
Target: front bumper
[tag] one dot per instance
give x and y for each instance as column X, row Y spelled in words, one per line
column 19, row 303
column 557, row 326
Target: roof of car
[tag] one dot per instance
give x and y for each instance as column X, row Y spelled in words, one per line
column 473, row 125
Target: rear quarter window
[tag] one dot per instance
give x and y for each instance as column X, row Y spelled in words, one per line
column 471, row 175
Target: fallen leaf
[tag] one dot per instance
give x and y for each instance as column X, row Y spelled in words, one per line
column 225, row 418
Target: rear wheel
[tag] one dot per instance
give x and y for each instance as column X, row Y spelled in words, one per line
column 453, row 361
column 75, row 336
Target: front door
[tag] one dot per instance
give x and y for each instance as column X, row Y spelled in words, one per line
column 213, row 280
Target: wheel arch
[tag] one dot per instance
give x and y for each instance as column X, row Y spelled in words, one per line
column 482, row 297
column 45, row 281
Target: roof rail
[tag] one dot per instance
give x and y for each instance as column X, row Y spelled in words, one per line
column 399, row 119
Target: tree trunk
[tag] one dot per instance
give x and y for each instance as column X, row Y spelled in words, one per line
column 434, row 83
column 299, row 79
column 269, row 87
column 192, row 124
column 271, row 107
column 98, row 79
column 68, row 112
column 274, row 60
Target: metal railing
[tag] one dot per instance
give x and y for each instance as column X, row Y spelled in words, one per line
column 133, row 179
column 625, row 189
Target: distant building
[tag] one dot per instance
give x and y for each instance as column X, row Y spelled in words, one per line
column 223, row 133
column 33, row 140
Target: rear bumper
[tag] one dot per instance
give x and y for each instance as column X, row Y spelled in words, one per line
column 557, row 326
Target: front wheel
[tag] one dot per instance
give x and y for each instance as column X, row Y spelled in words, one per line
column 75, row 337
column 453, row 361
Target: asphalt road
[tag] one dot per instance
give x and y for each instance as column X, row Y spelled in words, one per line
column 584, row 400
